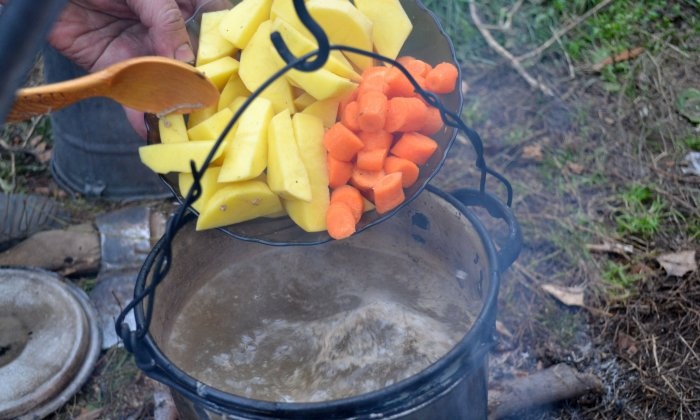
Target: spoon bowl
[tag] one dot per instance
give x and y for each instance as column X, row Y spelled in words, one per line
column 156, row 85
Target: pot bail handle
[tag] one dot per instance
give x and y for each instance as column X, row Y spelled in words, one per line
column 508, row 252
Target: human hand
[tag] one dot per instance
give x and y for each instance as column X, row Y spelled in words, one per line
column 97, row 33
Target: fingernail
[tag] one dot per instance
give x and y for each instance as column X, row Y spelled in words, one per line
column 184, row 53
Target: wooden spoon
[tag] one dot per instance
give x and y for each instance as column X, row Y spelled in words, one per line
column 154, row 85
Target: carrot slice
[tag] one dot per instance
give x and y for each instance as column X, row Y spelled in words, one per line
column 388, row 192
column 352, row 96
column 415, row 147
column 349, row 116
column 417, row 68
column 371, row 114
column 340, row 221
column 364, row 180
column 405, row 59
column 409, row 170
column 376, row 139
column 369, row 72
column 373, row 82
column 352, row 197
column 405, row 114
column 397, row 83
column 339, row 172
column 442, row 78
column 372, row 159
column 433, row 122
column 341, row 143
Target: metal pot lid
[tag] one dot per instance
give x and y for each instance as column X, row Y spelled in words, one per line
column 49, row 342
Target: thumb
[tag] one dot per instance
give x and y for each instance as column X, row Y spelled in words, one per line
column 137, row 122
column 166, row 28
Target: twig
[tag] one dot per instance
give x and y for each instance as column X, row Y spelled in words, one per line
column 653, row 351
column 32, row 128
column 563, row 31
column 572, row 71
column 689, row 347
column 514, row 62
column 560, row 382
column 614, row 248
column 508, row 23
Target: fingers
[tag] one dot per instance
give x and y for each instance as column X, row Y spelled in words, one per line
column 166, row 28
column 136, row 120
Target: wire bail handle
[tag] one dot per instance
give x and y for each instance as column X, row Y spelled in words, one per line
column 316, row 31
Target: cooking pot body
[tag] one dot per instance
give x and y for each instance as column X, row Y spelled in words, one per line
column 433, row 256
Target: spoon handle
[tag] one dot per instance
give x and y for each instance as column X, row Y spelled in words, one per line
column 34, row 101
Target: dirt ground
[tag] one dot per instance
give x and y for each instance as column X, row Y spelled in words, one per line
column 572, row 158
column 569, row 158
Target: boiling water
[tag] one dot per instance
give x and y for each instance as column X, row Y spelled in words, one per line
column 293, row 332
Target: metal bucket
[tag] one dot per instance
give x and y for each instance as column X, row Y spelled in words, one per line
column 95, row 150
column 433, row 256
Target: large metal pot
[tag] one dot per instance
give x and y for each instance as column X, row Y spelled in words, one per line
column 430, row 256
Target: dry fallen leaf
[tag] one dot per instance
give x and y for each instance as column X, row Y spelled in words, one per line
column 626, row 344
column 501, row 329
column 575, row 168
column 678, row 263
column 570, row 296
column 533, row 152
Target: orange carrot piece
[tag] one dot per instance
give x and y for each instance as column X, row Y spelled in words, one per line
column 388, row 192
column 405, row 59
column 397, row 83
column 352, row 96
column 350, row 196
column 417, row 68
column 433, row 122
column 376, row 139
column 372, row 70
column 442, row 78
column 409, row 170
column 364, row 180
column 372, row 159
column 341, row 143
column 405, row 114
column 372, row 108
column 339, row 172
column 349, row 116
column 415, row 147
column 340, row 221
column 373, row 82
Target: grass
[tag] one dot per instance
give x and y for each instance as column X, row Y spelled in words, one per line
column 473, row 113
column 620, row 281
column 563, row 324
column 620, row 26
column 117, row 391
column 643, row 212
column 692, row 142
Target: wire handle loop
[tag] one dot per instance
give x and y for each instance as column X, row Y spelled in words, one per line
column 316, row 31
